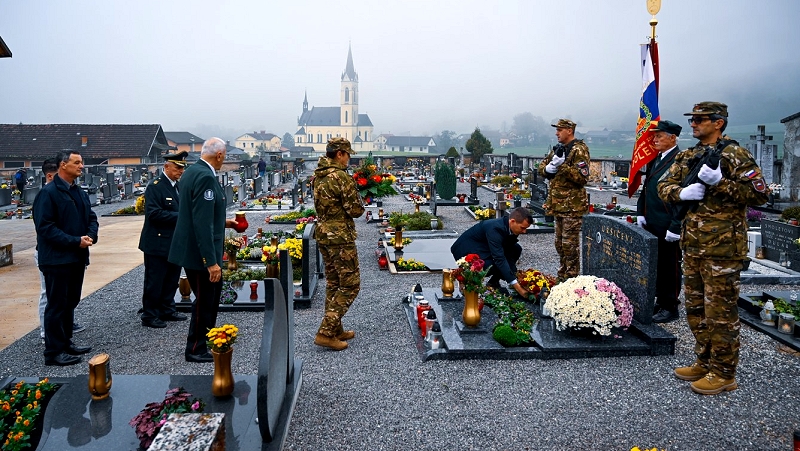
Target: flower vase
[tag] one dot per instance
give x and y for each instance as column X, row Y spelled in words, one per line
column 274, row 242
column 447, row 284
column 222, row 382
column 471, row 316
column 184, row 288
column 272, row 271
column 233, row 265
column 398, row 238
column 416, row 207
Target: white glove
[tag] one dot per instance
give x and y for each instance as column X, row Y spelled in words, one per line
column 551, row 168
column 710, row 176
column 671, row 237
column 641, row 221
column 557, row 161
column 695, row 191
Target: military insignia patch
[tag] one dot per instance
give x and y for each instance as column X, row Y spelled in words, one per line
column 759, row 185
column 155, row 182
column 584, row 168
column 208, row 195
column 750, row 174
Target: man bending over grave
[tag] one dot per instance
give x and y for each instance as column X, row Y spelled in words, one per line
column 495, row 241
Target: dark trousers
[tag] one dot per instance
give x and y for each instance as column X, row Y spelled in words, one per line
column 512, row 254
column 204, row 309
column 669, row 274
column 160, row 283
column 63, row 285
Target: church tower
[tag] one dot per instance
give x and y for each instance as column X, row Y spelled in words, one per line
column 305, row 102
column 349, row 95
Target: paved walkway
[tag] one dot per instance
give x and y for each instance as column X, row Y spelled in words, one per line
column 114, row 254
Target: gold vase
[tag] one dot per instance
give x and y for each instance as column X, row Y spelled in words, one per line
column 222, row 383
column 416, row 207
column 272, row 271
column 184, row 288
column 471, row 315
column 447, row 283
column 398, row 238
column 100, row 376
column 233, row 265
column 274, row 242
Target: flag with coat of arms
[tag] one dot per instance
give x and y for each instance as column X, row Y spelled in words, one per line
column 643, row 150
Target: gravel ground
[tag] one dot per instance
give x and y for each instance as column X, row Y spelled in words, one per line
column 378, row 395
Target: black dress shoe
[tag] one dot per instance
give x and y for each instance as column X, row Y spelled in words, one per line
column 155, row 323
column 199, row 358
column 665, row 316
column 77, row 350
column 174, row 316
column 62, row 359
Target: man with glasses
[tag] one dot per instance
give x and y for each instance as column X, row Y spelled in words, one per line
column 714, row 244
column 161, row 214
column 658, row 218
column 337, row 202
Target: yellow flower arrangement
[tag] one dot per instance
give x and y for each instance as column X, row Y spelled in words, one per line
column 294, row 246
column 270, row 255
column 410, row 265
column 139, row 206
column 485, row 213
column 3, row 186
column 221, row 339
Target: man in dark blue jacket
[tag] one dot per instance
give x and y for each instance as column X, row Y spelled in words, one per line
column 66, row 227
column 495, row 241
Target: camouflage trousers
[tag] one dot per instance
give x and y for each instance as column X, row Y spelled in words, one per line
column 712, row 291
column 344, row 283
column 568, row 240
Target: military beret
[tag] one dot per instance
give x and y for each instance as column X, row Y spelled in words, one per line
column 669, row 127
column 709, row 108
column 177, row 158
column 335, row 144
column 564, row 123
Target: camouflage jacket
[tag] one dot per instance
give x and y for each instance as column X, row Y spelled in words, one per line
column 717, row 229
column 567, row 193
column 337, row 202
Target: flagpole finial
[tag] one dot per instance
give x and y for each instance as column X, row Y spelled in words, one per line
column 653, row 7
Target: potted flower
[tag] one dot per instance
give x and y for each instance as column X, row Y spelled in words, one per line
column 536, row 282
column 589, row 302
column 295, row 248
column 271, row 258
column 470, row 271
column 148, row 422
column 220, row 343
column 20, row 413
column 231, row 246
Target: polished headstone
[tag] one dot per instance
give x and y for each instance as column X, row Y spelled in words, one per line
column 624, row 254
column 433, row 253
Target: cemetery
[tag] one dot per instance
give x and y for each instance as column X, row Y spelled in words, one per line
column 283, row 392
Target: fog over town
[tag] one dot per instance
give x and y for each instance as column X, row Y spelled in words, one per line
column 226, row 68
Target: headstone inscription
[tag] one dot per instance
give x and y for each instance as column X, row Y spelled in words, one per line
column 778, row 237
column 624, row 254
column 473, row 189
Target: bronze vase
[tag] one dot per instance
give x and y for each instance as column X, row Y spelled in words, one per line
column 184, row 288
column 416, row 207
column 233, row 265
column 222, row 382
column 447, row 283
column 398, row 238
column 274, row 242
column 471, row 315
column 272, row 271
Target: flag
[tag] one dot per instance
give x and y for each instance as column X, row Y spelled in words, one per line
column 643, row 150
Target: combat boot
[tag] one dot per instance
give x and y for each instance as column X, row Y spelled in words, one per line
column 330, row 342
column 346, row 335
column 694, row 372
column 713, row 384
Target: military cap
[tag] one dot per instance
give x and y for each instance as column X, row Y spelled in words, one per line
column 707, row 108
column 177, row 158
column 564, row 123
column 342, row 144
column 669, row 127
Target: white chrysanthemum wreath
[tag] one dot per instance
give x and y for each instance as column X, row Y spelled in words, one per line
column 589, row 302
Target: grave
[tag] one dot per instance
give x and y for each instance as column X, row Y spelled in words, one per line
column 749, row 313
column 777, row 237
column 6, row 255
column 257, row 414
column 624, row 254
column 549, row 343
column 436, row 202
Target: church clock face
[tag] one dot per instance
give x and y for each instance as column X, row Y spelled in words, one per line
column 653, row 6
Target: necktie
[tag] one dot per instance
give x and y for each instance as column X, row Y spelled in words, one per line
column 176, row 188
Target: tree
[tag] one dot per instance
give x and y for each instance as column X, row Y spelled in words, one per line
column 478, row 146
column 446, row 139
column 287, row 141
column 529, row 127
column 452, row 152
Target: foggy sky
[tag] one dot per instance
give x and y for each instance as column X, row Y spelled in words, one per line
column 237, row 66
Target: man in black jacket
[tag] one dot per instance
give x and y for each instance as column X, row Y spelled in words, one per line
column 656, row 216
column 161, row 214
column 66, row 227
column 495, row 241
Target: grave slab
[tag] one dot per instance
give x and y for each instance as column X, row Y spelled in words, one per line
column 750, row 315
column 433, row 253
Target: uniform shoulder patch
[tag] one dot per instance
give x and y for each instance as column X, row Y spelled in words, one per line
column 759, row 185
column 208, row 194
column 750, row 174
column 584, row 168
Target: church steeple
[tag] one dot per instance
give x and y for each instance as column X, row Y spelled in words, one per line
column 349, row 93
column 349, row 68
column 305, row 101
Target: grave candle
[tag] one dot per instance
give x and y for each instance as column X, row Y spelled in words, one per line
column 421, row 309
column 430, row 318
column 436, row 336
column 786, row 323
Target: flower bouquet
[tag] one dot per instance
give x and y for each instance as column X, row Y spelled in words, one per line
column 232, row 244
column 470, row 272
column 535, row 281
column 370, row 183
column 589, row 302
column 221, row 339
column 409, row 264
column 270, row 255
column 148, row 422
column 20, row 406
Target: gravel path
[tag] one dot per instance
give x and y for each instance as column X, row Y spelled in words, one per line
column 378, row 395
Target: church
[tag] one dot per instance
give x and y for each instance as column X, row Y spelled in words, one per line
column 319, row 124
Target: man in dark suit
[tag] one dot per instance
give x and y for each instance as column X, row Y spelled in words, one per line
column 495, row 241
column 656, row 216
column 197, row 243
column 161, row 214
column 66, row 227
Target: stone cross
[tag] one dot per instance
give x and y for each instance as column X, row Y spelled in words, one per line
column 763, row 153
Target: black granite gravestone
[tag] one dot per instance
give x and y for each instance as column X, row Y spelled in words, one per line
column 624, row 254
column 777, row 237
column 473, row 189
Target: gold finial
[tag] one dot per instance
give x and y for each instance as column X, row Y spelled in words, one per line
column 653, row 7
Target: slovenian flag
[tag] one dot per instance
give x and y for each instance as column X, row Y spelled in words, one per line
column 643, row 151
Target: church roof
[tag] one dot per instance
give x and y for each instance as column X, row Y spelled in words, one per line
column 302, row 131
column 329, row 115
column 364, row 120
column 349, row 70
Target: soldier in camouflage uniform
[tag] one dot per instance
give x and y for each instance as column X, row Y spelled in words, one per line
column 714, row 244
column 566, row 198
column 337, row 202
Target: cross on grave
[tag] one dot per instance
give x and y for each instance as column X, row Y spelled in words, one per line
column 763, row 153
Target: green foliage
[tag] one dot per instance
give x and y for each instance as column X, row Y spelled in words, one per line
column 477, row 145
column 514, row 315
column 445, row 180
column 502, row 180
column 504, row 335
column 452, row 152
column 287, row 141
column 397, row 219
column 790, row 213
column 412, row 221
column 243, row 274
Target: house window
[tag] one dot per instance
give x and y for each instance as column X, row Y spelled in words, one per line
column 365, row 136
column 345, row 116
column 299, row 139
column 329, row 136
column 319, row 137
column 346, row 95
column 310, row 138
column 252, row 145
